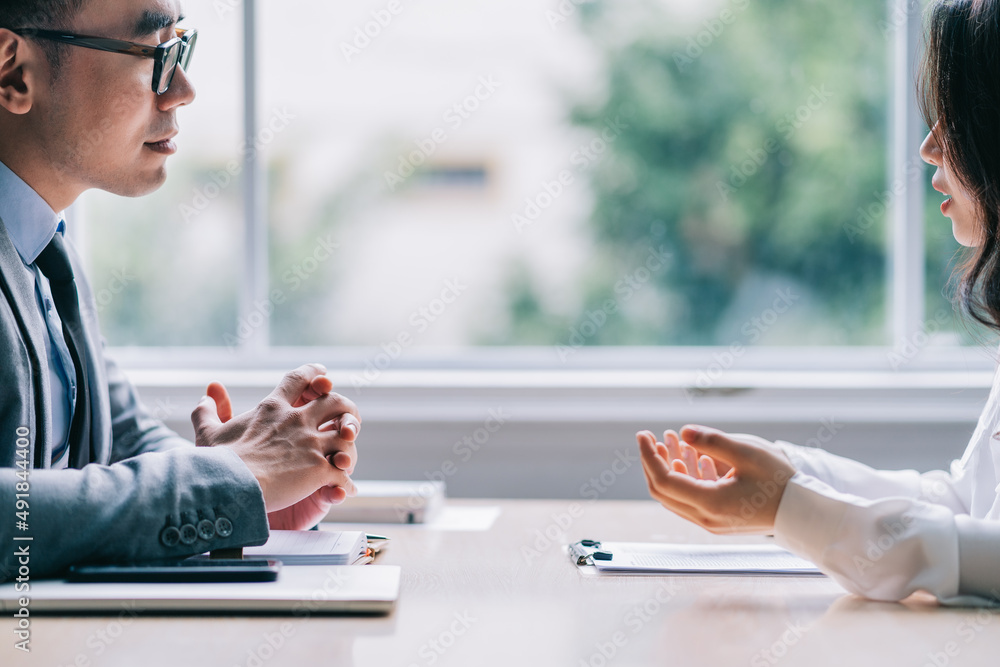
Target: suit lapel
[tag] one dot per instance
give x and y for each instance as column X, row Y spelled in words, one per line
column 19, row 287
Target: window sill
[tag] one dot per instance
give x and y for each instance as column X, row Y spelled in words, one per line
column 763, row 386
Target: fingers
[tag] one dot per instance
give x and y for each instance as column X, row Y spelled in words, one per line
column 690, row 458
column 224, row 406
column 659, row 447
column 683, row 458
column 331, row 406
column 309, row 387
column 320, row 386
column 336, row 479
column 719, row 445
column 656, row 468
column 343, row 461
column 672, row 504
column 691, row 487
column 339, row 479
column 666, row 482
column 295, row 383
column 646, row 439
column 334, row 494
column 346, row 427
column 350, row 426
column 331, row 443
column 205, row 418
column 673, row 445
column 662, row 451
column 707, row 470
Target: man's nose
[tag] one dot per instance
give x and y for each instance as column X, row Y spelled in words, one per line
column 180, row 93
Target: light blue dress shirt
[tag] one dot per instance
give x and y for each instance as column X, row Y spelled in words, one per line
column 31, row 223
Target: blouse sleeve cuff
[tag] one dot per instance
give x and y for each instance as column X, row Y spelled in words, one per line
column 806, row 522
column 883, row 549
column 978, row 558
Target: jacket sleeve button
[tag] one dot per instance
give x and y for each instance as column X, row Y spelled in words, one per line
column 170, row 536
column 189, row 534
column 223, row 526
column 206, row 529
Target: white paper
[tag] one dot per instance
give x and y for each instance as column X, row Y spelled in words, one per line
column 464, row 519
column 313, row 547
column 701, row 559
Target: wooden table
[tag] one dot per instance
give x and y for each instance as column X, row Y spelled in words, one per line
column 509, row 596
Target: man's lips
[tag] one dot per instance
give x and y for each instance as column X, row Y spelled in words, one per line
column 165, row 145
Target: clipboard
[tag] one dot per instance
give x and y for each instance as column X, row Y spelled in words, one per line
column 689, row 559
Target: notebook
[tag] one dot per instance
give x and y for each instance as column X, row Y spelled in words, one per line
column 312, row 547
column 657, row 558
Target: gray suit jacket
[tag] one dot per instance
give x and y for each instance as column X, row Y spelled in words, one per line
column 136, row 492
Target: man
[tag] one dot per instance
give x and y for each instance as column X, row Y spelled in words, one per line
column 86, row 473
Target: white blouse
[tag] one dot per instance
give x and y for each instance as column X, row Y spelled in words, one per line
column 885, row 534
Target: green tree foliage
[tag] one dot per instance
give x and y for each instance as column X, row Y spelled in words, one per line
column 756, row 151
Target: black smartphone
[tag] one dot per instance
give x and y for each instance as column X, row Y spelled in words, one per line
column 201, row 570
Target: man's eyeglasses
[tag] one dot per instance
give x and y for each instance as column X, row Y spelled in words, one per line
column 166, row 56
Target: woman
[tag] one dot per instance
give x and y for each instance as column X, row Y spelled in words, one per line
column 884, row 534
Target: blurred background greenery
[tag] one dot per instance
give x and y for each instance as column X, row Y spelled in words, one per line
column 746, row 139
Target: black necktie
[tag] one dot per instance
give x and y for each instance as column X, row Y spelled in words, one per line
column 54, row 263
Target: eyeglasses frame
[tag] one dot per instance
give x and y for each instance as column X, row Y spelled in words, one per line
column 186, row 37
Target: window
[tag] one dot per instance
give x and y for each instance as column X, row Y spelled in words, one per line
column 168, row 266
column 561, row 175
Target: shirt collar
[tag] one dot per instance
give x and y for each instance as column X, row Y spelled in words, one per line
column 30, row 221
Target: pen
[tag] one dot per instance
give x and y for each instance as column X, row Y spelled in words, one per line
column 376, row 538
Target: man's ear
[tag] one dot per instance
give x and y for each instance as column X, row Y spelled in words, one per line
column 18, row 73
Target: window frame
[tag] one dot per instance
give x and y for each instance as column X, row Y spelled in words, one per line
column 666, row 367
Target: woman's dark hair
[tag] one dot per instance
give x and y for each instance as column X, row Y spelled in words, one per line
column 960, row 89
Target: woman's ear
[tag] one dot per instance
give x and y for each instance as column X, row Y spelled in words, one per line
column 18, row 69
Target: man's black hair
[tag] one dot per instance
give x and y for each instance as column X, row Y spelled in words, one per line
column 53, row 14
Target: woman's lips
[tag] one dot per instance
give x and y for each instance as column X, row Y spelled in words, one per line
column 947, row 202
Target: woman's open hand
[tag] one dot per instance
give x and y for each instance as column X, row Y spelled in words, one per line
column 724, row 483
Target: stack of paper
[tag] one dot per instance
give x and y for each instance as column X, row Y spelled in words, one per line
column 311, row 547
column 391, row 502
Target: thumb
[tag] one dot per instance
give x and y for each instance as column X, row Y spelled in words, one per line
column 320, row 386
column 217, row 391
column 205, row 419
column 295, row 383
column 718, row 445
